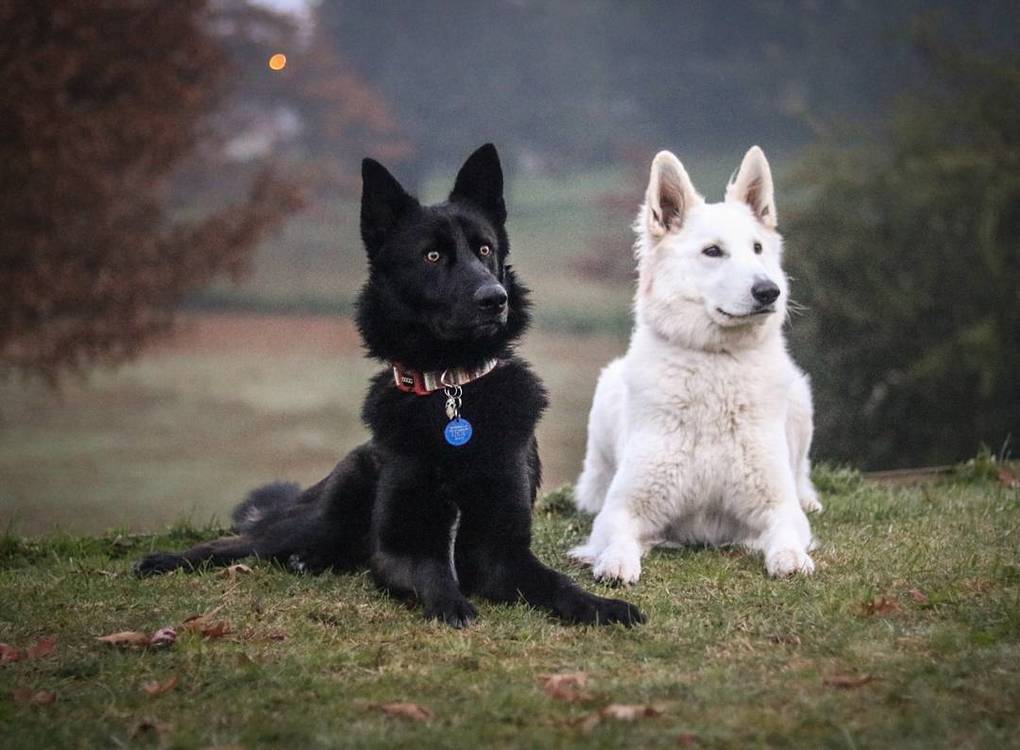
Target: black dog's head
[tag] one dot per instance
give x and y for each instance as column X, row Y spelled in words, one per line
column 440, row 292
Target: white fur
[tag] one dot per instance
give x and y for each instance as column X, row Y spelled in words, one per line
column 700, row 433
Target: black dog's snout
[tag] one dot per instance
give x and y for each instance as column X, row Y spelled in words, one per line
column 765, row 292
column 491, row 298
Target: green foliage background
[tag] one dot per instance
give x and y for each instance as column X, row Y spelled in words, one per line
column 906, row 251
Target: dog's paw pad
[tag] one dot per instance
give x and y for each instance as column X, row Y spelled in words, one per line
column 786, row 562
column 615, row 567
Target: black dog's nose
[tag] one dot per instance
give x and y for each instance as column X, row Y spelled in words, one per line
column 491, row 298
column 765, row 292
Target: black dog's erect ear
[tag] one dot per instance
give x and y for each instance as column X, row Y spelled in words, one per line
column 480, row 182
column 383, row 201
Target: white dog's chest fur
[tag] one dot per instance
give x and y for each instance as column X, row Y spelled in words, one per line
column 698, row 419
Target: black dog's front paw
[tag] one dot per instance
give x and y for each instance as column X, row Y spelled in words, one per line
column 158, row 563
column 594, row 610
column 457, row 613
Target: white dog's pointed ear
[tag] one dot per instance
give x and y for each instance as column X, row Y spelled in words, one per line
column 752, row 185
column 670, row 195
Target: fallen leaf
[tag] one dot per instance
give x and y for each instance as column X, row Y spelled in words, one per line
column 35, row 697
column 622, row 712
column 233, row 571
column 566, row 686
column 1008, row 477
column 687, row 739
column 786, row 639
column 205, row 626
column 406, row 711
column 43, row 647
column 126, row 639
column 212, row 630
column 918, row 596
column 163, row 638
column 155, row 687
column 880, row 605
column 9, row 653
column 847, row 681
column 617, row 712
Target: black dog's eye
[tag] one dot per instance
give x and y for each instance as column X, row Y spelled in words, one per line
column 713, row 251
column 433, row 256
column 485, row 251
column 757, row 248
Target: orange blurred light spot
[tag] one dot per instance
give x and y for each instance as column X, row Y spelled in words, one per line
column 278, row 61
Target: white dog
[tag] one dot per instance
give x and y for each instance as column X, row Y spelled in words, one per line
column 700, row 433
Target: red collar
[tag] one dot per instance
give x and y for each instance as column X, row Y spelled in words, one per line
column 424, row 383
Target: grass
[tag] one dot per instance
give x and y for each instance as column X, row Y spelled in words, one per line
column 917, row 598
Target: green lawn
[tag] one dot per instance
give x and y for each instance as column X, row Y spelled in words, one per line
column 907, row 636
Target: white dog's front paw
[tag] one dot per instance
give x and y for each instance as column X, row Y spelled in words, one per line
column 617, row 566
column 786, row 562
column 584, row 554
column 809, row 501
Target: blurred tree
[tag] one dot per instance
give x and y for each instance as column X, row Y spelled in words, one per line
column 100, row 103
column 907, row 254
column 332, row 118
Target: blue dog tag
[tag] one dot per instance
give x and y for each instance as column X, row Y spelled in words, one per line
column 458, row 431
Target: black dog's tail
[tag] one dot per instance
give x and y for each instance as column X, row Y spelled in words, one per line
column 323, row 527
column 264, row 506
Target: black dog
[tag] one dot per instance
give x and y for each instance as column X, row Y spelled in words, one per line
column 438, row 503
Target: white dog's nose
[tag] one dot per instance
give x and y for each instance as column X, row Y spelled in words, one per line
column 765, row 291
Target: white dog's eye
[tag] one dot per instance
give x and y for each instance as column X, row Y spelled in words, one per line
column 757, row 248
column 485, row 251
column 433, row 256
column 713, row 251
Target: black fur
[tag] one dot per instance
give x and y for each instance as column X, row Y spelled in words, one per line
column 432, row 521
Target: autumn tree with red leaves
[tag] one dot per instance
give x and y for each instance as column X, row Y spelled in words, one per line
column 101, row 102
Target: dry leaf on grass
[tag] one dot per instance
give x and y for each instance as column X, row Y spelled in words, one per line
column 411, row 711
column 918, row 596
column 34, row 697
column 623, row 712
column 135, row 639
column 1008, row 477
column 233, row 571
column 566, row 686
column 880, row 605
column 687, row 739
column 618, row 712
column 127, row 639
column 847, row 681
column 155, row 687
column 43, row 647
column 206, row 628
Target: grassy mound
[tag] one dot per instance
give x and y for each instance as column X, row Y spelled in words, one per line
column 908, row 635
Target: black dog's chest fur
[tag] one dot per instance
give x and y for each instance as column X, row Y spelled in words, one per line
column 503, row 408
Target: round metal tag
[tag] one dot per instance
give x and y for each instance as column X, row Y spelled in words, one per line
column 458, row 431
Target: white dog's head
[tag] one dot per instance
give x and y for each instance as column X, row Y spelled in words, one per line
column 709, row 274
